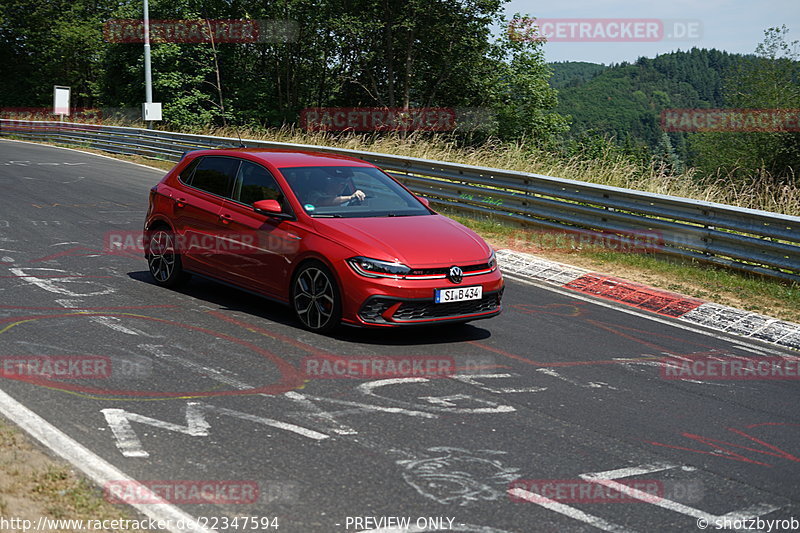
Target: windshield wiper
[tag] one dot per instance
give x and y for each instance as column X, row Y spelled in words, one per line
column 335, row 215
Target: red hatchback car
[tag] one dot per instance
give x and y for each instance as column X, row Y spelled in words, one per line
column 334, row 237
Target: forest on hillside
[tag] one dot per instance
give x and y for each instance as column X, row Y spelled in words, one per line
column 626, row 102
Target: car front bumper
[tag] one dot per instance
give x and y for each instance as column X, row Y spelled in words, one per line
column 386, row 302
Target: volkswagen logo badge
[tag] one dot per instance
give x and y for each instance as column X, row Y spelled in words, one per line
column 455, row 274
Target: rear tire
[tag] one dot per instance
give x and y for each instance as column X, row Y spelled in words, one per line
column 315, row 298
column 163, row 260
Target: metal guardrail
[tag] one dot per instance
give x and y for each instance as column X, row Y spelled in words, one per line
column 744, row 239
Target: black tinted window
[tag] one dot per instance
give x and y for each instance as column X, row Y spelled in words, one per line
column 186, row 174
column 254, row 183
column 215, row 174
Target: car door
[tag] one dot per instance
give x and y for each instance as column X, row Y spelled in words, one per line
column 259, row 248
column 197, row 212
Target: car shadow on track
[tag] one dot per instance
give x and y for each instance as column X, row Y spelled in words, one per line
column 231, row 299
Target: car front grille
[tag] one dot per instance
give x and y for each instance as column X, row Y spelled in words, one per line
column 442, row 271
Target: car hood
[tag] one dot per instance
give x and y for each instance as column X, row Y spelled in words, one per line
column 418, row 241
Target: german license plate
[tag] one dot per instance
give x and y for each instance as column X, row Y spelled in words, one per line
column 458, row 294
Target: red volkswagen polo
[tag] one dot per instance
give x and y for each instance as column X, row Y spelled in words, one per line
column 334, row 237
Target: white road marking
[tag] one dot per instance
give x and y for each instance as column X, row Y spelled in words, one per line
column 94, row 467
column 205, row 371
column 731, row 338
column 162, row 171
column 588, row 385
column 315, row 412
column 606, row 479
column 569, row 511
column 63, row 302
column 128, row 442
column 473, row 380
column 51, row 284
column 749, row 349
column 112, row 322
column 305, row 432
column 440, row 404
column 196, row 426
column 633, row 471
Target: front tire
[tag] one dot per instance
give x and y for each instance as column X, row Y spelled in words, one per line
column 163, row 260
column 315, row 298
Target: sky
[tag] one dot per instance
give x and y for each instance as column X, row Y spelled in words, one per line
column 730, row 25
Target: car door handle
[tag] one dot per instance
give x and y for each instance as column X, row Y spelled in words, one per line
column 180, row 202
column 225, row 218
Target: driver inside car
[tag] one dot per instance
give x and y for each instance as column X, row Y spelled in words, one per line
column 334, row 191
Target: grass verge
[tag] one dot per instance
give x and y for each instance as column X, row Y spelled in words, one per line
column 33, row 484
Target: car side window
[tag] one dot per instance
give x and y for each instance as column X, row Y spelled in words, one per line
column 215, row 174
column 254, row 183
column 186, row 174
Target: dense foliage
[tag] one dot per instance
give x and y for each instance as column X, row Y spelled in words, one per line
column 386, row 53
column 406, row 54
column 625, row 102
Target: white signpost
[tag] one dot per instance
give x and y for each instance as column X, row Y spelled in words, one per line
column 61, row 101
column 151, row 111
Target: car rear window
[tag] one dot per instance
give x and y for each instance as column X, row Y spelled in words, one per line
column 215, row 174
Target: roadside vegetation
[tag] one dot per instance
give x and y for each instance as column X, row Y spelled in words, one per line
column 33, row 484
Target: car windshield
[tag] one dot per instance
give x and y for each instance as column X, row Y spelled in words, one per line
column 349, row 192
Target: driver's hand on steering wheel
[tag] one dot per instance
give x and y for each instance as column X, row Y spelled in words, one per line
column 358, row 195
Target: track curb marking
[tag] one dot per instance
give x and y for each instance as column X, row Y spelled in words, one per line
column 711, row 315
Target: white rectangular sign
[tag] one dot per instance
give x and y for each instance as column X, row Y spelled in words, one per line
column 60, row 100
column 151, row 111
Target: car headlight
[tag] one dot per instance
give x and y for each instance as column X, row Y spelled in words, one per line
column 492, row 262
column 374, row 268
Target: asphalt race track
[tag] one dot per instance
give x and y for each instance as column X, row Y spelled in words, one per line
column 204, row 388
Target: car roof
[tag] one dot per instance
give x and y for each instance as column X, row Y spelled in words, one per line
column 283, row 158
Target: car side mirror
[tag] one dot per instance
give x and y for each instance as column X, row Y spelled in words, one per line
column 424, row 201
column 268, row 207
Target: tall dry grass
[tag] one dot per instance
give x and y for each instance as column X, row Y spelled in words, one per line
column 760, row 191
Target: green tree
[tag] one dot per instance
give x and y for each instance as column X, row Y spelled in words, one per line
column 520, row 94
column 772, row 81
column 58, row 42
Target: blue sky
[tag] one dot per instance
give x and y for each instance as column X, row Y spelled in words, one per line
column 731, row 25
